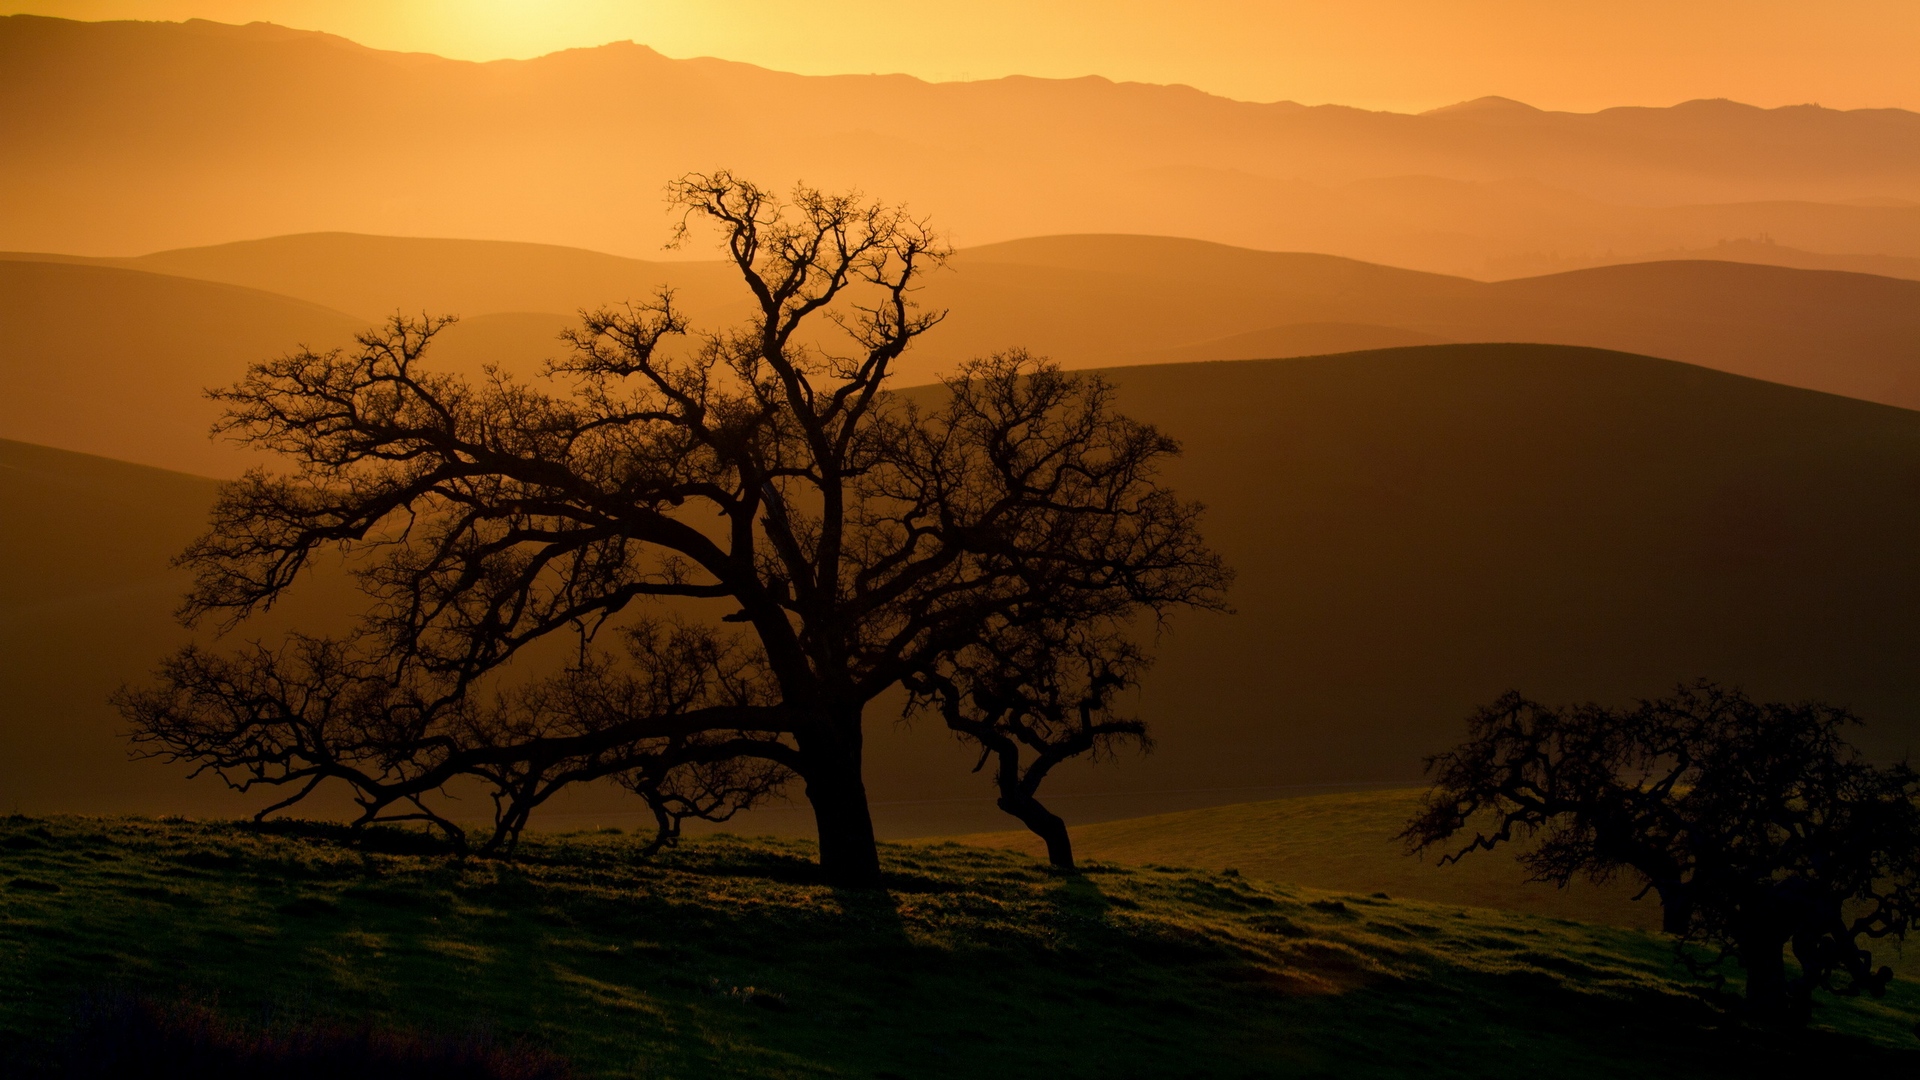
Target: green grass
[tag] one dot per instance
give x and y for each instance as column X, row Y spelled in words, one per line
column 973, row 962
column 1349, row 842
column 1346, row 841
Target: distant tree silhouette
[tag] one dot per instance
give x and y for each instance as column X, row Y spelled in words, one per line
column 1031, row 696
column 1757, row 825
column 802, row 540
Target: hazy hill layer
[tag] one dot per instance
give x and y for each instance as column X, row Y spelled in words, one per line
column 1416, row 531
column 1762, row 251
column 112, row 358
column 1844, row 333
column 374, row 276
column 127, row 137
column 1112, row 298
column 114, row 362
column 1090, row 300
column 86, row 596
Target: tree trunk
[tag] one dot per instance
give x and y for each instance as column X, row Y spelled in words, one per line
column 1762, row 957
column 1676, row 905
column 1045, row 824
column 849, row 856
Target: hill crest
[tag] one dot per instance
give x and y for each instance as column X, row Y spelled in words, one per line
column 110, row 356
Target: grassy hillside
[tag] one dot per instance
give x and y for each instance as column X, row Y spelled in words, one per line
column 724, row 959
column 1345, row 842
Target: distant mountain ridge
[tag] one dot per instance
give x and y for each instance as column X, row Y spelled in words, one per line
column 126, row 137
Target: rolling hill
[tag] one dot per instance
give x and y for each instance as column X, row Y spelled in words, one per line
column 1416, row 530
column 125, row 137
column 1844, row 333
column 113, row 362
column 1420, row 529
column 1761, row 250
column 1841, row 332
column 86, row 596
column 110, row 356
column 371, row 277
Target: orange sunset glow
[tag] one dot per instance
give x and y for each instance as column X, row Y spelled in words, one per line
column 735, row 539
column 1404, row 55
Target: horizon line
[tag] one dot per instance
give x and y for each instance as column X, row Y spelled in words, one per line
column 1483, row 102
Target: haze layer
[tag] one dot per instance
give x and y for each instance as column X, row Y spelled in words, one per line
column 125, row 138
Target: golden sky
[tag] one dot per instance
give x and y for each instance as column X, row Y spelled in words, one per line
column 1393, row 54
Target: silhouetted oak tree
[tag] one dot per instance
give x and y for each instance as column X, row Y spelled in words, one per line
column 736, row 539
column 1757, row 825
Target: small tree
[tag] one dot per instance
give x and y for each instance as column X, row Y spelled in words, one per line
column 1757, row 826
column 819, row 540
column 1042, row 690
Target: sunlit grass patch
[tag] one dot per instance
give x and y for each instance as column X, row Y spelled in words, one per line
column 726, row 957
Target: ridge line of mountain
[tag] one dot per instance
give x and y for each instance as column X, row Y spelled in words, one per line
column 976, row 253
column 1474, row 108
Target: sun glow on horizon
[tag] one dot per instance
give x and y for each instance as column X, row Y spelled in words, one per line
column 1405, row 55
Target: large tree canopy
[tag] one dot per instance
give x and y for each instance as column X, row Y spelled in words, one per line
column 741, row 537
column 1757, row 825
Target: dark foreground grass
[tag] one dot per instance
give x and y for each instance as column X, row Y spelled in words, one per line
column 726, row 958
column 124, row 1034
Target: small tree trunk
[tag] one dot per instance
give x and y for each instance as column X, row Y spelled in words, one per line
column 849, row 855
column 1676, row 905
column 1762, row 957
column 1045, row 824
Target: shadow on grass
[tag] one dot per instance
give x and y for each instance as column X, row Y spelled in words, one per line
column 728, row 957
column 125, row 1036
